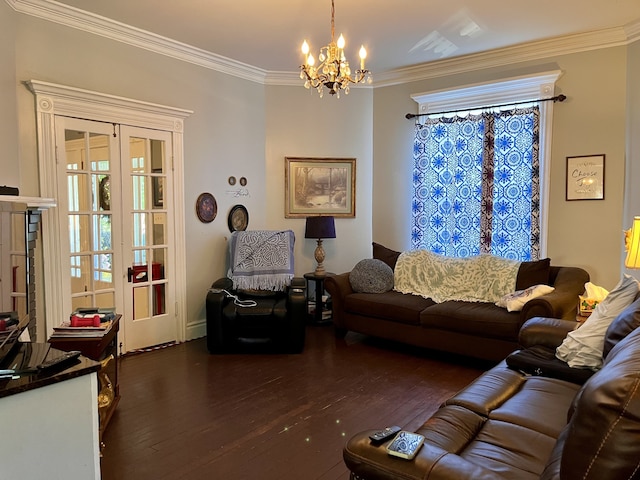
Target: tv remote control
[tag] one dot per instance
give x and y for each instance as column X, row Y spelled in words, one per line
column 384, row 434
column 68, row 356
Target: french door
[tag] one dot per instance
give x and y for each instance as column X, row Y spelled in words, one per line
column 114, row 204
column 147, row 246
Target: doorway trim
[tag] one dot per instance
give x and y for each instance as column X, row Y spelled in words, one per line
column 52, row 100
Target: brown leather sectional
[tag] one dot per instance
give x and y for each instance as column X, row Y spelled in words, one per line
column 476, row 329
column 510, row 426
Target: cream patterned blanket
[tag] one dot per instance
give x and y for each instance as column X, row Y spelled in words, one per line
column 483, row 278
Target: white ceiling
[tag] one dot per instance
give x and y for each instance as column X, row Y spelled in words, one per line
column 396, row 33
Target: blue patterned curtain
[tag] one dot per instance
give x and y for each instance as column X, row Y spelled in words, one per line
column 476, row 185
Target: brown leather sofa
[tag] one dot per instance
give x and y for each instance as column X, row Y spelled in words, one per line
column 509, row 426
column 476, row 329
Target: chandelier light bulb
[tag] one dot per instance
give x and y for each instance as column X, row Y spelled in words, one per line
column 363, row 55
column 310, row 60
column 341, row 42
column 305, row 48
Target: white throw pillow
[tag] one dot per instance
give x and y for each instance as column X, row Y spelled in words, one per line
column 583, row 347
column 514, row 302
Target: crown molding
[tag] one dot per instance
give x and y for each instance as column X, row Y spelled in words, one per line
column 91, row 23
column 289, row 79
column 105, row 27
column 552, row 47
column 633, row 31
column 516, row 89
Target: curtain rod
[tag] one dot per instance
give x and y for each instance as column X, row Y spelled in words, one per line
column 557, row 98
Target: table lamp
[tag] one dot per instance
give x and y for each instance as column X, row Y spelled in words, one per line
column 632, row 245
column 320, row 227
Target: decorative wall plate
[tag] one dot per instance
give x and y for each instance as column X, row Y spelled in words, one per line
column 206, row 207
column 238, row 218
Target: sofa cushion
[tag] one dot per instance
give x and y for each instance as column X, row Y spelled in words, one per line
column 371, row 276
column 545, row 401
column 622, row 326
column 510, row 451
column 489, row 391
column 533, row 273
column 388, row 256
column 483, row 319
column 392, row 305
column 583, row 346
column 452, row 427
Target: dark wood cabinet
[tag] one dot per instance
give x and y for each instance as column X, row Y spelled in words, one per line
column 99, row 348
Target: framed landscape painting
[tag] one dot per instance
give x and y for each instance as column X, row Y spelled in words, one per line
column 320, row 186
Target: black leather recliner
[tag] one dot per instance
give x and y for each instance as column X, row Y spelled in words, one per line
column 276, row 323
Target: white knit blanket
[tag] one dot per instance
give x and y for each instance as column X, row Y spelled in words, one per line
column 261, row 259
column 483, row 278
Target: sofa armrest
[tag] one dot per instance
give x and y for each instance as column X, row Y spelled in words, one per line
column 297, row 297
column 563, row 301
column 338, row 286
column 214, row 305
column 547, row 332
column 432, row 462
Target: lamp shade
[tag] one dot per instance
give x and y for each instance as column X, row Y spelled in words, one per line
column 633, row 246
column 320, row 227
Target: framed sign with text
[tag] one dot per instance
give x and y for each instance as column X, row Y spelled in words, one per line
column 585, row 177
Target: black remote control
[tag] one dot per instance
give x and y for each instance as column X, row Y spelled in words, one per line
column 66, row 357
column 384, row 434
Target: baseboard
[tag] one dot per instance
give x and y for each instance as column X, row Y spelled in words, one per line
column 196, row 330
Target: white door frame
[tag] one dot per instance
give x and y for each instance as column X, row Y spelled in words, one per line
column 52, row 100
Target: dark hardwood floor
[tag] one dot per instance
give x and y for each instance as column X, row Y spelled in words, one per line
column 185, row 414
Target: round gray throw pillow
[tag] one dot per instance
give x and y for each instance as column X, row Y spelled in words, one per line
column 371, row 276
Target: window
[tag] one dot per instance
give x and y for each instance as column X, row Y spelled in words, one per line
column 479, row 179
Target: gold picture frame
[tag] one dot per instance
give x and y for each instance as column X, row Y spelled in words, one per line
column 319, row 186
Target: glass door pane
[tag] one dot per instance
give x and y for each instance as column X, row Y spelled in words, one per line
column 89, row 206
column 148, row 220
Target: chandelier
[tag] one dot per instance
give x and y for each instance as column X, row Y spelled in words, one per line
column 333, row 72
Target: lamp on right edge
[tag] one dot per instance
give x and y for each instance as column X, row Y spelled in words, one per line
column 632, row 245
column 320, row 227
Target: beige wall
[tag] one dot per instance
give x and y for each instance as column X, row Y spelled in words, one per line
column 300, row 124
column 591, row 121
column 9, row 163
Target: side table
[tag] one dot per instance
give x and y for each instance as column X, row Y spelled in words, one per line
column 104, row 349
column 322, row 312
